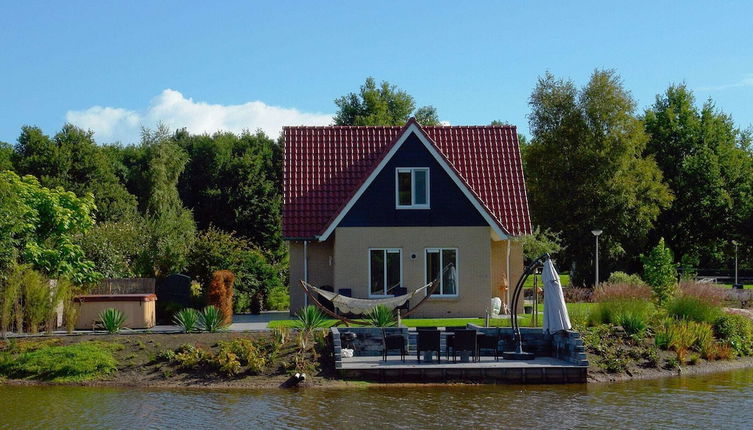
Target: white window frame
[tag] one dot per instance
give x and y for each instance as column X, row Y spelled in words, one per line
column 413, row 204
column 399, row 251
column 438, row 291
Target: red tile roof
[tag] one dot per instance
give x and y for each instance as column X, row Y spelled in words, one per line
column 325, row 166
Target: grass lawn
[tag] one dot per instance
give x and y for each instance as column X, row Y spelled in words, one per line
column 564, row 279
column 745, row 286
column 575, row 309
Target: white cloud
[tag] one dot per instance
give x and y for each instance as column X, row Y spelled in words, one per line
column 176, row 111
column 745, row 82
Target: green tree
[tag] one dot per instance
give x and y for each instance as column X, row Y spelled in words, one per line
column 6, row 156
column 383, row 104
column 708, row 165
column 47, row 221
column 585, row 169
column 118, row 248
column 242, row 174
column 170, row 226
column 660, row 272
column 72, row 160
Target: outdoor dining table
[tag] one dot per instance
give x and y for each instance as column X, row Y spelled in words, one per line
column 464, row 356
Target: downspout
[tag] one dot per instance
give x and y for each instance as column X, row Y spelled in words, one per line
column 305, row 269
column 507, row 272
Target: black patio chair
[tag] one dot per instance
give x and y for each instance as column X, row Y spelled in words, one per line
column 490, row 340
column 465, row 340
column 450, row 339
column 393, row 340
column 428, row 340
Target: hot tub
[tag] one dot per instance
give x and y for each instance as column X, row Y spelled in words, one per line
column 139, row 309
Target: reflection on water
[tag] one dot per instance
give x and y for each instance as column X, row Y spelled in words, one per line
column 722, row 400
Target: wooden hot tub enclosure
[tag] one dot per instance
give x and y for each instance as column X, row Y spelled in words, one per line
column 139, row 309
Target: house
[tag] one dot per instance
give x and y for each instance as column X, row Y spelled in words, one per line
column 367, row 209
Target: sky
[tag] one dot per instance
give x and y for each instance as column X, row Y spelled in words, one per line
column 113, row 66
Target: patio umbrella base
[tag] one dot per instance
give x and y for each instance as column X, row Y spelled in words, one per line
column 518, row 355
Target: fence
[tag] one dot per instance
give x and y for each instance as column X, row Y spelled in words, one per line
column 125, row 286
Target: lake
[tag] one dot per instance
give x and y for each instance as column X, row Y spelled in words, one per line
column 714, row 401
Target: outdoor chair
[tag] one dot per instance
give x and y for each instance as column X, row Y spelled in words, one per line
column 428, row 340
column 450, row 339
column 490, row 340
column 465, row 340
column 393, row 340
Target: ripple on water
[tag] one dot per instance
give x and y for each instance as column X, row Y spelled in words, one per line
column 723, row 400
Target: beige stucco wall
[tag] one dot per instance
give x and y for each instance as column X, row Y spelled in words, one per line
column 474, row 254
column 321, row 265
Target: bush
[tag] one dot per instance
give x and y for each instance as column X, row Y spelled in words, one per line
column 241, row 303
column 735, row 331
column 624, row 278
column 310, row 318
column 36, row 299
column 190, row 357
column 682, row 336
column 77, row 362
column 693, row 309
column 212, row 320
column 381, row 316
column 221, row 294
column 112, row 319
column 278, row 298
column 246, row 353
column 659, row 272
column 10, row 297
column 187, row 320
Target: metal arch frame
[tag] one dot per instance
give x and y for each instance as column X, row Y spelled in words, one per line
column 518, row 353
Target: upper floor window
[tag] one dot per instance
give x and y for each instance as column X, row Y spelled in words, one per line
column 412, row 188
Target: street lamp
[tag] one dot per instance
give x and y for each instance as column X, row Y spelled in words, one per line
column 734, row 242
column 596, row 233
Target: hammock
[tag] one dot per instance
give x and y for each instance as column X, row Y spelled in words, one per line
column 351, row 305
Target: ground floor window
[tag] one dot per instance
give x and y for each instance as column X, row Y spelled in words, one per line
column 385, row 271
column 436, row 260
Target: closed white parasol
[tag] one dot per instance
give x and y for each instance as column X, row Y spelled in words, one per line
column 555, row 311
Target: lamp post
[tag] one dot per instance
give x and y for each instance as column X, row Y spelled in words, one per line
column 734, row 242
column 596, row 233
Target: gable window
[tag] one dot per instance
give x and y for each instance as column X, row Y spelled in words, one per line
column 385, row 271
column 436, row 260
column 412, row 188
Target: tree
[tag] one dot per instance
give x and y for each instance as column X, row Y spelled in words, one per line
column 46, row 223
column 242, row 174
column 72, row 160
column 585, row 169
column 6, row 156
column 707, row 164
column 660, row 272
column 118, row 248
column 385, row 104
column 170, row 226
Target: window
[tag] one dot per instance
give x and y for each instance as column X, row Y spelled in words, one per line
column 412, row 188
column 436, row 260
column 385, row 271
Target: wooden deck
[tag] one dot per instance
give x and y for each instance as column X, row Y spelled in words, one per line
column 540, row 370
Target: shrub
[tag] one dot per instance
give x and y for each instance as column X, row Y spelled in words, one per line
column 735, row 331
column 187, row 320
column 693, row 309
column 190, row 357
column 708, row 293
column 112, row 319
column 241, row 303
column 381, row 316
column 221, row 294
column 10, row 295
column 245, row 352
column 624, row 278
column 681, row 336
column 278, row 298
column 36, row 299
column 633, row 323
column 310, row 318
column 212, row 320
column 660, row 272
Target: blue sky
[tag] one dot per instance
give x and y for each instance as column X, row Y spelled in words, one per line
column 114, row 66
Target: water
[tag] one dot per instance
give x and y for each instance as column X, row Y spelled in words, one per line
column 714, row 401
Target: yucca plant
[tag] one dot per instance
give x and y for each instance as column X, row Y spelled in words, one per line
column 310, row 318
column 112, row 319
column 381, row 316
column 187, row 320
column 211, row 319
